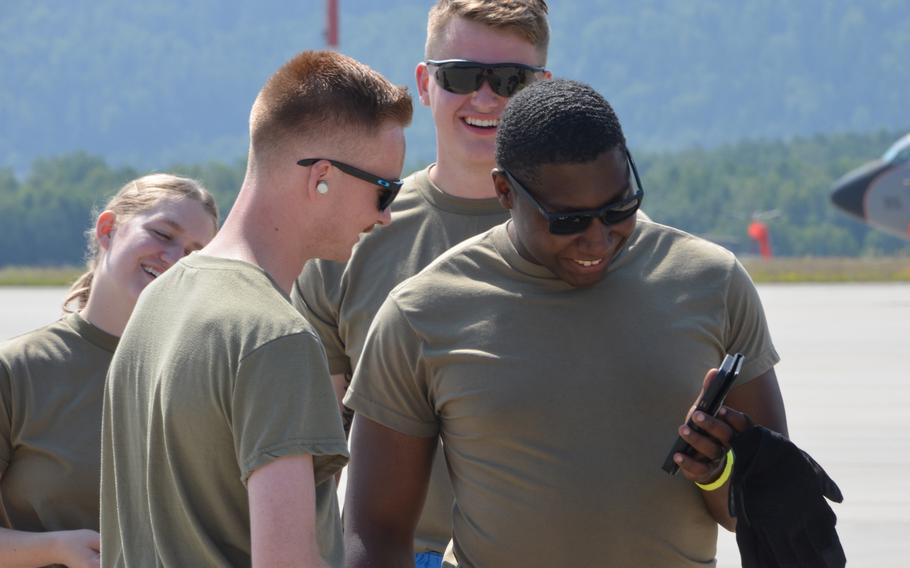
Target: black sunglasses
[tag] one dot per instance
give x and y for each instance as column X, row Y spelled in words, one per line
column 461, row 76
column 388, row 187
column 573, row 222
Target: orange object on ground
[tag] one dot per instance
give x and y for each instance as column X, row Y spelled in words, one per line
column 758, row 231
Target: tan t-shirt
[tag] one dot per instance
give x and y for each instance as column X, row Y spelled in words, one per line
column 216, row 375
column 51, row 385
column 557, row 405
column 340, row 300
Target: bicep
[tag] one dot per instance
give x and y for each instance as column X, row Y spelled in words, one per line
column 282, row 496
column 387, row 483
column 761, row 400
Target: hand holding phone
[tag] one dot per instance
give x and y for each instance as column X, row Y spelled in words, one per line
column 709, row 403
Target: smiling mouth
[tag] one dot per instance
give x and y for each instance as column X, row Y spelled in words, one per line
column 482, row 123
column 153, row 272
column 587, row 263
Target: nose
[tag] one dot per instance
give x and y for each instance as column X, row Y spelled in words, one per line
column 596, row 239
column 385, row 216
column 485, row 99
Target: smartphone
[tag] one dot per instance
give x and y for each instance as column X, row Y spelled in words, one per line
column 709, row 403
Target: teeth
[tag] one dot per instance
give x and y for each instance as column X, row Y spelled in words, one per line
column 152, row 271
column 491, row 123
column 589, row 262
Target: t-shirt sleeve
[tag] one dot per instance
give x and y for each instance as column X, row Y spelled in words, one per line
column 6, row 418
column 390, row 382
column 317, row 295
column 283, row 404
column 747, row 326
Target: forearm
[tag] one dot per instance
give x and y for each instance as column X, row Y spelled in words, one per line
column 379, row 539
column 762, row 403
column 716, row 502
column 20, row 549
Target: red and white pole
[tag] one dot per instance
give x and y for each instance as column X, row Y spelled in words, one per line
column 331, row 19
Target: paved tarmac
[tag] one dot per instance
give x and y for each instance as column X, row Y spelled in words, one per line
column 845, row 381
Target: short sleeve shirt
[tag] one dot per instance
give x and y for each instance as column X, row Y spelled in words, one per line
column 216, row 375
column 557, row 405
column 51, row 385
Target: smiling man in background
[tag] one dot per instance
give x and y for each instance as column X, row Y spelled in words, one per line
column 478, row 54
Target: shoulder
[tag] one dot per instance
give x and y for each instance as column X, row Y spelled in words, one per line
column 48, row 353
column 42, row 343
column 271, row 323
column 455, row 272
column 670, row 250
column 234, row 303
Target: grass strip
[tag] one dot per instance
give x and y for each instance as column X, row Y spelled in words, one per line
column 39, row 275
column 762, row 271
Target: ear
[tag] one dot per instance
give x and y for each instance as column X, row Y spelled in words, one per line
column 502, row 187
column 422, row 76
column 104, row 229
column 316, row 173
column 547, row 75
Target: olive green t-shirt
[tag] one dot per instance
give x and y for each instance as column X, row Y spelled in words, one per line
column 51, row 385
column 340, row 299
column 216, row 375
column 557, row 405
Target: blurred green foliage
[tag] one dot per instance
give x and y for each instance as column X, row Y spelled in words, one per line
column 154, row 83
column 713, row 193
column 716, row 193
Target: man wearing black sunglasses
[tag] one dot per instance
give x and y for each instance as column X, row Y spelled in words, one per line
column 555, row 355
column 478, row 54
column 221, row 438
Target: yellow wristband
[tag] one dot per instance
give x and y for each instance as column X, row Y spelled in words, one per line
column 724, row 475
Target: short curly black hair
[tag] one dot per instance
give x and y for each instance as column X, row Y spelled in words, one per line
column 555, row 122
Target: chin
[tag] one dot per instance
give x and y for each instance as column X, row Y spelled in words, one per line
column 582, row 280
column 340, row 255
column 132, row 294
column 578, row 283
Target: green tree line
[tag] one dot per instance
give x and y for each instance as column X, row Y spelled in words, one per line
column 44, row 217
column 713, row 193
column 152, row 83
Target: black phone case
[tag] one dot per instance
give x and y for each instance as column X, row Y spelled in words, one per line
column 710, row 403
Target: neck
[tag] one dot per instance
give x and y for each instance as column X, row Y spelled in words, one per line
column 107, row 308
column 516, row 242
column 268, row 237
column 471, row 181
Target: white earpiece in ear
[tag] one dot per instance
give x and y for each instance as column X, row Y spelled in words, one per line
column 322, row 187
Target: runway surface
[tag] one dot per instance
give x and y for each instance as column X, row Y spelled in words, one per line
column 845, row 381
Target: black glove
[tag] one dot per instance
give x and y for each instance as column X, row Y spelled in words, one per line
column 777, row 495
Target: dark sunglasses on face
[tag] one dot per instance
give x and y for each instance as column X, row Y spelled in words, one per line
column 573, row 222
column 462, row 77
column 388, row 188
